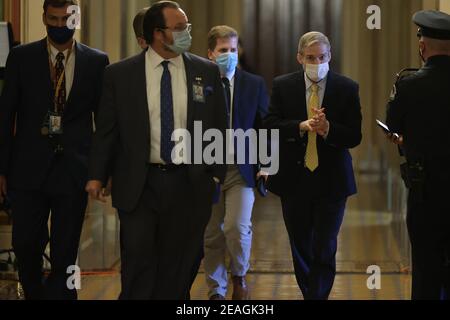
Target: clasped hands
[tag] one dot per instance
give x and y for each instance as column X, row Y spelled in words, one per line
column 318, row 124
column 96, row 190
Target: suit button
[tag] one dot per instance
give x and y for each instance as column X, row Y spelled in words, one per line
column 304, row 145
column 299, row 163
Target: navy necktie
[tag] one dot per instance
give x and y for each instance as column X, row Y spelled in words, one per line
column 167, row 117
column 227, row 87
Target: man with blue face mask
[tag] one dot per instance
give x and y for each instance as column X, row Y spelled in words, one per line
column 230, row 227
column 164, row 202
column 318, row 114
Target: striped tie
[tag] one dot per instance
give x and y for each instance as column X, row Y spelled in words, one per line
column 60, row 87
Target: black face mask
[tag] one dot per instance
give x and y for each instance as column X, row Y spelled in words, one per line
column 60, row 35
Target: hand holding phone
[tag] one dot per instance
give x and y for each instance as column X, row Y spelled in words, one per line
column 386, row 129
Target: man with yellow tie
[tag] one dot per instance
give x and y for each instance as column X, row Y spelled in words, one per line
column 318, row 113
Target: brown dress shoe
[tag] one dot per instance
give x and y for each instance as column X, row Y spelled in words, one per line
column 240, row 289
column 217, row 297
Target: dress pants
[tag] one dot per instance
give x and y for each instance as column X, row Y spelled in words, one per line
column 428, row 227
column 30, row 211
column 229, row 231
column 313, row 225
column 161, row 238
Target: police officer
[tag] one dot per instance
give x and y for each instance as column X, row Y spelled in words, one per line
column 419, row 111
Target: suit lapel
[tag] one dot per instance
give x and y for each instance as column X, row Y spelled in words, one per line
column 300, row 91
column 329, row 92
column 140, row 92
column 190, row 74
column 80, row 64
column 44, row 67
column 237, row 98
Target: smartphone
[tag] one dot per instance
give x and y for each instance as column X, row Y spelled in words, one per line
column 386, row 129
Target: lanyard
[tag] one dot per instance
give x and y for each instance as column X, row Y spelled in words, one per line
column 56, row 82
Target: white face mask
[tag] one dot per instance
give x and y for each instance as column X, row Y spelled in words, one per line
column 317, row 72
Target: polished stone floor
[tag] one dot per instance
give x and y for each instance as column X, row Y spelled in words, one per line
column 373, row 234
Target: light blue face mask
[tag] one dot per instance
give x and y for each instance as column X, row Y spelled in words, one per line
column 182, row 41
column 227, row 63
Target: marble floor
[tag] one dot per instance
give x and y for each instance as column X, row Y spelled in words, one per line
column 373, row 233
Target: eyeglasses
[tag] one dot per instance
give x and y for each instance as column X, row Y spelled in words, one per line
column 187, row 27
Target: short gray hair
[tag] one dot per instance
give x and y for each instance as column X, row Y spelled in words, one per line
column 311, row 38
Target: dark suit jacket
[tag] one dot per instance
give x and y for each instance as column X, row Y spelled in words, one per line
column 288, row 109
column 25, row 157
column 250, row 106
column 122, row 139
column 414, row 94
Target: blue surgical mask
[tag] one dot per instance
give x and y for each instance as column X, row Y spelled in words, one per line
column 60, row 35
column 227, row 63
column 182, row 42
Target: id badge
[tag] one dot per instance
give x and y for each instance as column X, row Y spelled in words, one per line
column 198, row 92
column 55, row 124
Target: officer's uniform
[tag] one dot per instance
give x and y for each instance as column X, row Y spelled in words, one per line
column 419, row 110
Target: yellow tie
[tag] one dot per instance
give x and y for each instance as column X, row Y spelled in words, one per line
column 312, row 158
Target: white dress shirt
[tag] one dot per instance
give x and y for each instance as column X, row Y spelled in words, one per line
column 231, row 79
column 322, row 87
column 69, row 66
column 229, row 132
column 154, row 71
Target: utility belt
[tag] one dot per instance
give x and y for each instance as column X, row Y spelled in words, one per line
column 414, row 175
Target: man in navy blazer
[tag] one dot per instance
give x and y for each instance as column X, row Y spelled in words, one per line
column 318, row 114
column 41, row 172
column 230, row 227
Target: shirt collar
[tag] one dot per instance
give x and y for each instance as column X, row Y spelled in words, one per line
column 322, row 84
column 231, row 76
column 155, row 59
column 54, row 52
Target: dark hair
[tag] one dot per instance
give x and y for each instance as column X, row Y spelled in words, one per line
column 58, row 3
column 138, row 23
column 154, row 18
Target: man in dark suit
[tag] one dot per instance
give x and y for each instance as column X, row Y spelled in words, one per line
column 319, row 117
column 230, row 227
column 52, row 87
column 164, row 201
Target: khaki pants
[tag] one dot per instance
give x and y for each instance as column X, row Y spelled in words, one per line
column 229, row 230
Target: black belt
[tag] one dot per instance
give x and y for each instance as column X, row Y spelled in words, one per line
column 166, row 167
